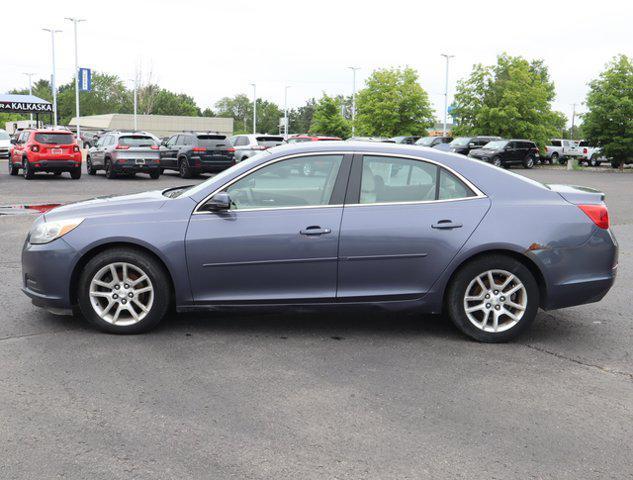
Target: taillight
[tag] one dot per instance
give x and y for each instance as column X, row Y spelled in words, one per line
column 76, row 148
column 199, row 149
column 230, row 150
column 122, row 147
column 598, row 214
column 154, row 147
column 35, row 148
column 584, row 150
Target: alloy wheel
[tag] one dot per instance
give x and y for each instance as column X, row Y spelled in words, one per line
column 495, row 301
column 121, row 294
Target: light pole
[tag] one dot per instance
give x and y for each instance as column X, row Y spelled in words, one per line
column 30, row 91
column 447, row 57
column 135, row 97
column 53, row 82
column 353, row 69
column 75, row 22
column 254, row 108
column 286, row 112
column 570, row 162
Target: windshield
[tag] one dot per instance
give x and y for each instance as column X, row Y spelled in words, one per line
column 4, row 136
column 54, row 138
column 496, row 145
column 460, row 142
column 426, row 141
column 137, row 141
column 228, row 172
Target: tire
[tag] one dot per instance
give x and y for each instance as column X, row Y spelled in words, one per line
column 562, row 161
column 156, row 299
column 465, row 280
column 528, row 162
column 13, row 169
column 110, row 173
column 554, row 158
column 75, row 173
column 154, row 175
column 57, row 174
column 91, row 170
column 496, row 161
column 184, row 169
column 27, row 170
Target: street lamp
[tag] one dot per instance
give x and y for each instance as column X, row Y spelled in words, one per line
column 447, row 57
column 135, row 80
column 254, row 108
column 75, row 22
column 353, row 69
column 53, row 82
column 30, row 90
column 286, row 112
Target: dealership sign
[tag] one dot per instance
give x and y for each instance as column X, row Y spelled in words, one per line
column 25, row 107
column 85, row 79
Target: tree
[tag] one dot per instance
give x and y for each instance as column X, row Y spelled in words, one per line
column 393, row 103
column 240, row 109
column 327, row 119
column 268, row 116
column 510, row 99
column 300, row 119
column 609, row 120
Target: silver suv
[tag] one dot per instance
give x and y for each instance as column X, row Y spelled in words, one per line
column 125, row 153
column 248, row 145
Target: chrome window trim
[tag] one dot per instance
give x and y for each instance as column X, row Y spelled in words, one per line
column 478, row 193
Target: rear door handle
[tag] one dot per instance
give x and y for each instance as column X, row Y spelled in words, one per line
column 446, row 225
column 315, row 230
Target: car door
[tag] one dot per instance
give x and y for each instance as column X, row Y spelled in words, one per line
column 168, row 153
column 96, row 152
column 404, row 220
column 18, row 148
column 279, row 240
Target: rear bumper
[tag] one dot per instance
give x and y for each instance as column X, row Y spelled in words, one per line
column 579, row 293
column 54, row 165
column 131, row 166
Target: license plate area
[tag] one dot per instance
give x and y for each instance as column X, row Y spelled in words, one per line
column 140, row 161
column 56, row 151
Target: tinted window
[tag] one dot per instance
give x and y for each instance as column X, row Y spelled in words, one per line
column 270, row 141
column 137, row 141
column 387, row 179
column 213, row 141
column 284, row 184
column 452, row 187
column 54, row 138
column 556, row 143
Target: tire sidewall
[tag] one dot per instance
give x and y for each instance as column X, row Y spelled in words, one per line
column 145, row 262
column 463, row 277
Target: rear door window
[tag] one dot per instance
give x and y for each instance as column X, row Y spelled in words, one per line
column 55, row 138
column 241, row 141
column 452, row 187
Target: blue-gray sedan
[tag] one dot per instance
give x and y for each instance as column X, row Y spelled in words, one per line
column 380, row 225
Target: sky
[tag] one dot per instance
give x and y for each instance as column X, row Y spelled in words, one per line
column 212, row 49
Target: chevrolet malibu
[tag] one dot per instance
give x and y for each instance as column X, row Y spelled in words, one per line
column 390, row 226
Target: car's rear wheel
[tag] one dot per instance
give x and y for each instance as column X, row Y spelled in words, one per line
column 493, row 298
column 154, row 175
column 91, row 170
column 109, row 169
column 57, row 174
column 123, row 290
column 27, row 170
column 75, row 173
column 594, row 162
column 184, row 169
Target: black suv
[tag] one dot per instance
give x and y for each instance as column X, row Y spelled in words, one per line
column 192, row 153
column 508, row 152
column 464, row 145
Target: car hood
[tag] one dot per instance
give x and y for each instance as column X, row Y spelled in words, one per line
column 110, row 205
column 5, row 143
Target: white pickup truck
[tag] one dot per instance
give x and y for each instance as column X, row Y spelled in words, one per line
column 590, row 155
column 559, row 150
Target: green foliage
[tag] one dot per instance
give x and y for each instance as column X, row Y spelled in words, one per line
column 268, row 116
column 300, row 119
column 240, row 108
column 511, row 99
column 327, row 118
column 393, row 103
column 609, row 121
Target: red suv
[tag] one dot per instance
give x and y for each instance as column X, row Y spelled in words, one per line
column 45, row 151
column 312, row 138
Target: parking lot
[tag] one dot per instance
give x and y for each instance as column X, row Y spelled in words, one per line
column 302, row 396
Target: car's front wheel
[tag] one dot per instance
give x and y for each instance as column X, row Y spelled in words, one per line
column 27, row 170
column 13, row 169
column 528, row 162
column 496, row 161
column 493, row 298
column 124, row 290
column 89, row 167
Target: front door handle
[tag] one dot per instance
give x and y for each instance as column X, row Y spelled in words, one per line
column 446, row 225
column 315, row 230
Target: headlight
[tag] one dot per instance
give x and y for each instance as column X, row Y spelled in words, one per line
column 48, row 231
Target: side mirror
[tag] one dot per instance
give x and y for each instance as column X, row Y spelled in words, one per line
column 220, row 201
column 471, row 145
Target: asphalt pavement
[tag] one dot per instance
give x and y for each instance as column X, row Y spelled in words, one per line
column 300, row 396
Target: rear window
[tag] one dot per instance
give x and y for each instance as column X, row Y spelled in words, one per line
column 137, row 141
column 54, row 138
column 213, row 141
column 584, row 143
column 270, row 141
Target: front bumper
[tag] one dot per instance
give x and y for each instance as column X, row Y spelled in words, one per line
column 46, row 273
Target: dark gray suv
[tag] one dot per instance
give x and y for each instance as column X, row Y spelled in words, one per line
column 125, row 153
